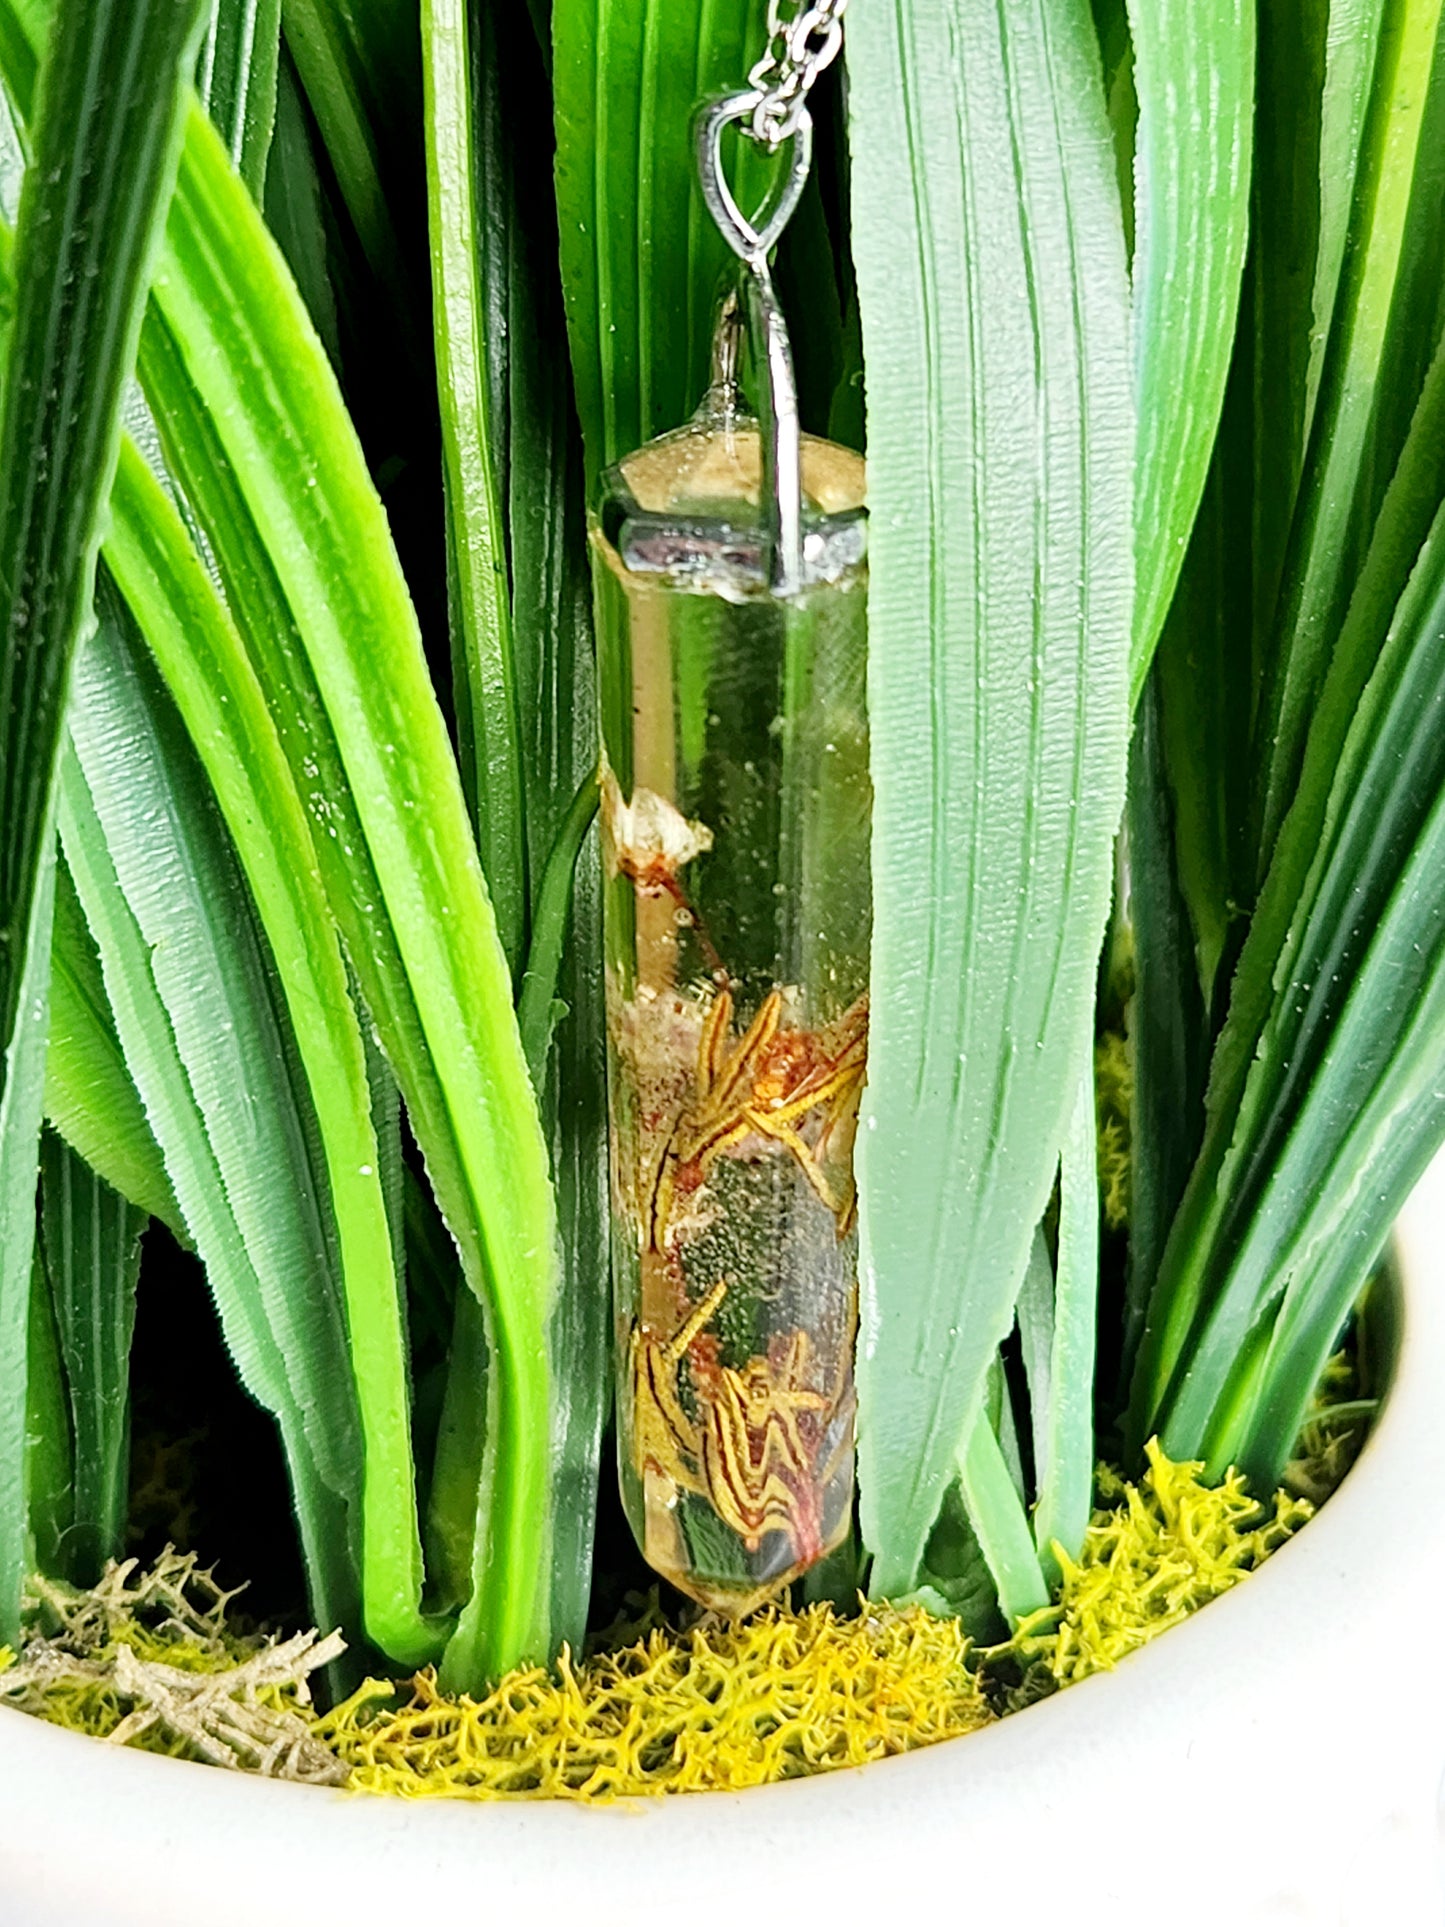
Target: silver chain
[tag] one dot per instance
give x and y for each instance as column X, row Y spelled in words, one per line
column 803, row 39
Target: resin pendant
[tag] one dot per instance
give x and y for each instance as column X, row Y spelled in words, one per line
column 735, row 834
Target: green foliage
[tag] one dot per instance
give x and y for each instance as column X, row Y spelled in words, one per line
column 1193, row 87
column 90, row 1096
column 1000, row 611
column 296, row 208
column 199, row 1016
column 1334, row 509
column 539, row 461
column 45, row 1499
column 1151, row 311
column 91, row 1243
column 1323, row 1101
column 1064, row 1456
column 263, row 534
column 1168, row 1033
column 476, row 537
column 106, row 138
column 360, row 67
column 203, row 659
column 642, row 263
column 406, row 887
column 240, row 55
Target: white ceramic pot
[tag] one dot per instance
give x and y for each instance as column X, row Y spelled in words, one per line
column 1278, row 1760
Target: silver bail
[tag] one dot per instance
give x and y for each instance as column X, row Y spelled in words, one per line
column 753, row 240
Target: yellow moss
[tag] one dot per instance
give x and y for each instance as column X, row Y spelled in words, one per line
column 723, row 1707
column 1155, row 1552
column 1113, row 1099
column 718, row 1707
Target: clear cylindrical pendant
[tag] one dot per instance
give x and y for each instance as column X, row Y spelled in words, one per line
column 735, row 826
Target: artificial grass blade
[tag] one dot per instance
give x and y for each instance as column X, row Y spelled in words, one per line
column 990, row 254
column 23, row 1069
column 91, row 1241
column 197, row 648
column 1326, row 1081
column 406, row 886
column 237, row 80
column 997, row 1516
column 296, row 211
column 1168, row 1017
column 551, row 632
column 90, row 1096
column 245, row 396
column 46, row 1498
column 1329, row 533
column 197, row 1013
column 481, row 600
column 1064, row 1475
column 641, row 260
column 106, row 142
column 1193, row 74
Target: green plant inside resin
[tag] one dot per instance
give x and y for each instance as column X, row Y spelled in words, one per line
column 547, row 1048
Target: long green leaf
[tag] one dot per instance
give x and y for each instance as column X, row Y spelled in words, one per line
column 1376, row 1181
column 106, row 139
column 1330, row 1031
column 90, row 1097
column 349, row 870
column 991, row 272
column 237, row 81
column 470, row 441
column 215, row 688
column 361, row 70
column 23, row 1067
column 1345, row 38
column 196, row 1011
column 1312, row 82
column 1417, row 308
column 641, row 260
column 1194, row 82
column 1064, row 1475
column 1365, row 1133
column 1035, row 1313
column 171, row 595
column 1381, row 624
column 46, row 1500
column 1328, row 539
column 581, row 1334
column 998, row 1517
column 92, row 1261
column 527, row 360
column 1168, row 1016
column 537, row 1007
column 1193, row 790
column 403, row 880
column 350, row 875
column 295, row 211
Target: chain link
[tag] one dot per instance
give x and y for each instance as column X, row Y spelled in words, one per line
column 803, row 39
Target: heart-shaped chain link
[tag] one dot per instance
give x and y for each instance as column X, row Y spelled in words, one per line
column 753, row 238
